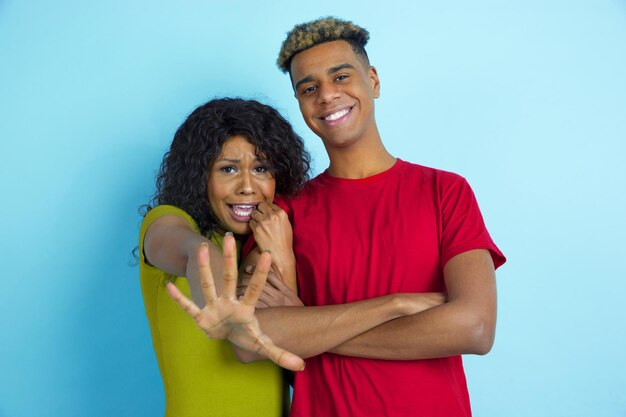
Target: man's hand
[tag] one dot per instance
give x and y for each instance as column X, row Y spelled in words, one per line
column 227, row 317
column 275, row 293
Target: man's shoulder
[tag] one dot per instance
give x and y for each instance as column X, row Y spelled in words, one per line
column 413, row 170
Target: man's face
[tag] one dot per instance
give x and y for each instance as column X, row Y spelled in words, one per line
column 335, row 89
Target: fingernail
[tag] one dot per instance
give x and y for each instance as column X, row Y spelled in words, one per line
column 249, row 268
column 303, row 366
column 228, row 234
column 267, row 250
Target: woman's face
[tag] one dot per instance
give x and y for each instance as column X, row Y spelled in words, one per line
column 237, row 182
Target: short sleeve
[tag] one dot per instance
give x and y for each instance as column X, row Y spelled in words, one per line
column 463, row 227
column 154, row 214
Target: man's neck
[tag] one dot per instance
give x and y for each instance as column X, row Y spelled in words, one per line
column 361, row 162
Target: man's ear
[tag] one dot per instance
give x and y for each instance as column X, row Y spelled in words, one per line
column 374, row 80
column 293, row 87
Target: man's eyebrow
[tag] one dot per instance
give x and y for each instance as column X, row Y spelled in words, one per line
column 306, row 79
column 338, row 68
column 330, row 71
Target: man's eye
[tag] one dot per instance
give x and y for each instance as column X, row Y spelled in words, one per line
column 341, row 77
column 309, row 89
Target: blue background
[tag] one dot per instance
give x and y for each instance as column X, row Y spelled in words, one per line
column 526, row 99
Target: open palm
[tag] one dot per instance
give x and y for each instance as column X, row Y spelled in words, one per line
column 225, row 316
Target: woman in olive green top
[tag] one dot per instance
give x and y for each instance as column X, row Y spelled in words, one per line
column 227, row 159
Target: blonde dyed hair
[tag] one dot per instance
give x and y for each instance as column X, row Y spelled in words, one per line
column 326, row 29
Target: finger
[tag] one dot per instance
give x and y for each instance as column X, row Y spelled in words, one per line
column 257, row 282
column 263, row 207
column 230, row 266
column 276, row 281
column 269, row 297
column 185, row 303
column 207, row 284
column 253, row 225
column 279, row 356
column 265, row 301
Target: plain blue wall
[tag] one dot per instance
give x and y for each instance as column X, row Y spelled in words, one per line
column 526, row 99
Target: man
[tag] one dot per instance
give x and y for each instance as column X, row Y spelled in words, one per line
column 369, row 226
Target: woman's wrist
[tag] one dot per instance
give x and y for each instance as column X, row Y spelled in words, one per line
column 284, row 263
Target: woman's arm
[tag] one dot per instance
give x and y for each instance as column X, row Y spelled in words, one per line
column 168, row 241
column 171, row 245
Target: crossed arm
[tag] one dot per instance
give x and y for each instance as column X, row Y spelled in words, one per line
column 465, row 324
column 398, row 326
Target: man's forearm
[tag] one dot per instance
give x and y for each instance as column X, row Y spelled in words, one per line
column 309, row 331
column 465, row 324
column 446, row 330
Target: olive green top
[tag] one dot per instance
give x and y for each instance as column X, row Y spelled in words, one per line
column 201, row 377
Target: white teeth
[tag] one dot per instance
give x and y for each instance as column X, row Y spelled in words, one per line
column 337, row 115
column 243, row 209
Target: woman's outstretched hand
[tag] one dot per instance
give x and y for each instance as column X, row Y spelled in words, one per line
column 225, row 316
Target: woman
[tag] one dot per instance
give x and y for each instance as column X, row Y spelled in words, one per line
column 227, row 159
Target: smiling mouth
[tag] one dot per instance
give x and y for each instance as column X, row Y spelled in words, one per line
column 336, row 115
column 242, row 212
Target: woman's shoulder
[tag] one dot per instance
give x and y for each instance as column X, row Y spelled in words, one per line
column 167, row 210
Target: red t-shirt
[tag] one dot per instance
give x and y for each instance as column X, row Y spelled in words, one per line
column 359, row 239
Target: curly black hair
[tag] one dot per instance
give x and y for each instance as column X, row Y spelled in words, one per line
column 325, row 29
column 182, row 179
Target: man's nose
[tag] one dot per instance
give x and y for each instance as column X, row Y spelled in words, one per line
column 328, row 92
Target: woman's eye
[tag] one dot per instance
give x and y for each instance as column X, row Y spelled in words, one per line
column 228, row 169
column 261, row 169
